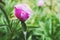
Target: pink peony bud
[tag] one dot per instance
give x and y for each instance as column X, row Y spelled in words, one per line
column 40, row 2
column 22, row 11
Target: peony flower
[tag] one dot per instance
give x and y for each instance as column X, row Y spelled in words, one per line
column 22, row 11
column 40, row 2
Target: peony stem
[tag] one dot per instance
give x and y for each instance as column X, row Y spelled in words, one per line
column 24, row 26
column 25, row 34
column 24, row 29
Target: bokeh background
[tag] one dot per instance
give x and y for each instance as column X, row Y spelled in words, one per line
column 43, row 24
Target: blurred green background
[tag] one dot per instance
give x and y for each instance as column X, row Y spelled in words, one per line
column 43, row 24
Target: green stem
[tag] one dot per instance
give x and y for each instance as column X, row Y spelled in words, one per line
column 24, row 29
column 24, row 26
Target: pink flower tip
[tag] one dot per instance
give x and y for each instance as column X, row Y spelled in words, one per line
column 22, row 11
column 40, row 2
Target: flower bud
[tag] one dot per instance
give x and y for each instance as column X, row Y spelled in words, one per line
column 22, row 11
column 40, row 3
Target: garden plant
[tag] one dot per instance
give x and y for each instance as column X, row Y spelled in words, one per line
column 29, row 19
